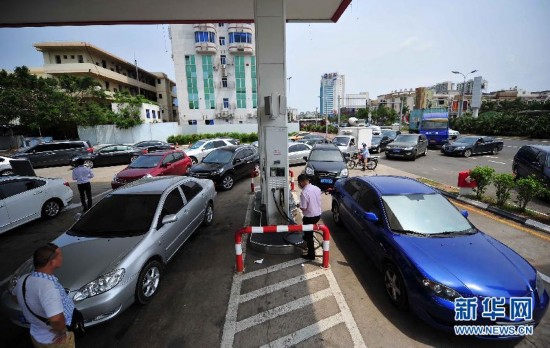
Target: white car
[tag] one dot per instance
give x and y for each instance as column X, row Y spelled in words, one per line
column 203, row 147
column 376, row 130
column 453, row 134
column 26, row 198
column 5, row 166
column 297, row 152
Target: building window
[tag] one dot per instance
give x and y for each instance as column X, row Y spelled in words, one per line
column 240, row 37
column 226, row 103
column 221, row 24
column 191, row 79
column 208, row 80
column 147, row 113
column 64, row 57
column 154, row 113
column 72, row 56
column 80, row 58
column 205, row 36
column 58, row 59
column 223, row 59
column 160, row 95
column 254, row 82
column 240, row 82
column 107, row 85
column 222, row 41
column 158, row 81
column 224, row 81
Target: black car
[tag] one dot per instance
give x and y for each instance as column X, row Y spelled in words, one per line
column 533, row 160
column 227, row 164
column 57, row 153
column 325, row 164
column 472, row 145
column 408, row 146
column 390, row 133
column 154, row 145
column 110, row 155
column 379, row 143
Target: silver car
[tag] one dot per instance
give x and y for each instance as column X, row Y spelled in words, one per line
column 297, row 152
column 115, row 253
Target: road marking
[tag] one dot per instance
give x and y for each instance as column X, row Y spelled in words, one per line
column 497, row 162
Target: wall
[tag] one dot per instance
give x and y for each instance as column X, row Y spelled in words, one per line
column 109, row 134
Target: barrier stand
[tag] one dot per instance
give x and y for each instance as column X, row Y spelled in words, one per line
column 277, row 229
column 291, row 179
column 253, row 174
column 466, row 183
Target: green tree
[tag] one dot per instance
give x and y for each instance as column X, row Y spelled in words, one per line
column 504, row 183
column 128, row 114
column 483, row 176
column 528, row 188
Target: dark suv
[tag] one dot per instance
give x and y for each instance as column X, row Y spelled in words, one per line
column 54, row 153
column 533, row 160
column 408, row 146
column 325, row 164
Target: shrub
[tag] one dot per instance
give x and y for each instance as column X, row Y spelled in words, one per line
column 528, row 188
column 504, row 183
column 483, row 177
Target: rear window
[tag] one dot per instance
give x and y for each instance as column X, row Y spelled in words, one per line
column 146, row 162
column 328, row 155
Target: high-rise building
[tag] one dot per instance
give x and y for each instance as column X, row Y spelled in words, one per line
column 332, row 88
column 215, row 66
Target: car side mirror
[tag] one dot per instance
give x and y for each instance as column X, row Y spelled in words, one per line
column 370, row 216
column 237, row 160
column 168, row 219
column 305, row 158
column 464, row 213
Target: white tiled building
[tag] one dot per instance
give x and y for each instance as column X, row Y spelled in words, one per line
column 333, row 86
column 215, row 66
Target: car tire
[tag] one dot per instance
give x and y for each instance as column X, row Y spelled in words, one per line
column 467, row 153
column 208, row 214
column 194, row 160
column 51, row 209
column 494, row 151
column 6, row 172
column 336, row 214
column 228, row 181
column 515, row 171
column 425, row 153
column 388, row 156
column 89, row 163
column 148, row 282
column 395, row 286
column 133, row 158
column 413, row 157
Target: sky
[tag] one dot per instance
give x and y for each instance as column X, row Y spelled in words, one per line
column 379, row 46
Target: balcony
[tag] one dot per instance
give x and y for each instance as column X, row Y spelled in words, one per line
column 205, row 47
column 204, row 27
column 241, row 48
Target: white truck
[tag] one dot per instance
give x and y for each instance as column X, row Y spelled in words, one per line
column 349, row 139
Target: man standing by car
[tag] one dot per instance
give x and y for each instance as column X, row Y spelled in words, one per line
column 82, row 176
column 310, row 204
column 42, row 298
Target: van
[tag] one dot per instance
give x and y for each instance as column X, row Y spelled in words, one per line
column 58, row 153
column 533, row 160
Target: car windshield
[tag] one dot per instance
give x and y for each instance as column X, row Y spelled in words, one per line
column 389, row 133
column 326, row 155
column 408, row 139
column 118, row 216
column 435, row 124
column 428, row 214
column 218, row 156
column 340, row 141
column 197, row 144
column 376, row 140
column 146, row 162
column 466, row 140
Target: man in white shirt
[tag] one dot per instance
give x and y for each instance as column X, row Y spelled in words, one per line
column 365, row 154
column 82, row 176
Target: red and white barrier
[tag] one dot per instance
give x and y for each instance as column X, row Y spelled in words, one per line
column 291, row 179
column 253, row 174
column 277, row 229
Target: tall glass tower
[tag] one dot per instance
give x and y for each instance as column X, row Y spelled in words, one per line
column 332, row 89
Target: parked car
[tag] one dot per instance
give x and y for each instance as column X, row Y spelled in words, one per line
column 110, row 155
column 533, row 160
column 5, row 166
column 429, row 254
column 255, row 143
column 325, row 165
column 391, row 133
column 232, row 141
column 408, row 146
column 154, row 145
column 312, row 141
column 173, row 162
column 54, row 153
column 115, row 254
column 453, row 134
column 297, row 152
column 379, row 143
column 298, row 136
column 25, row 198
column 472, row 145
column 203, row 147
column 227, row 164
column 376, row 130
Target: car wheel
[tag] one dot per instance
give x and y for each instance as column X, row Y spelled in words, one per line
column 388, row 156
column 467, row 153
column 395, row 286
column 336, row 214
column 413, row 157
column 89, row 163
column 425, row 152
column 208, row 214
column 51, row 209
column 227, row 182
column 133, row 158
column 194, row 160
column 377, row 149
column 515, row 171
column 148, row 282
column 495, row 150
column 7, row 172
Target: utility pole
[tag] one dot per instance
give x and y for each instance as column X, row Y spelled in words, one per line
column 338, row 111
column 460, row 107
column 137, row 74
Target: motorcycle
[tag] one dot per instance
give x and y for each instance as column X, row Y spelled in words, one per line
column 356, row 160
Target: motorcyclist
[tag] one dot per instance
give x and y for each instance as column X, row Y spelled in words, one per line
column 365, row 154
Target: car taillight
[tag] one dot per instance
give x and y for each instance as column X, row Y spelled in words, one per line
column 66, row 183
column 144, row 151
column 172, row 147
column 90, row 149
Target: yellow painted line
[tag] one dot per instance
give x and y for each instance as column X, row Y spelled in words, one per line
column 504, row 221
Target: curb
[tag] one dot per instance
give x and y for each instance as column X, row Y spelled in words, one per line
column 503, row 213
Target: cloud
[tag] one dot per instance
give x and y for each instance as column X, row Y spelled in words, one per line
column 423, row 47
column 409, row 42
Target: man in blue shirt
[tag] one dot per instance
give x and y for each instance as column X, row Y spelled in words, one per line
column 366, row 154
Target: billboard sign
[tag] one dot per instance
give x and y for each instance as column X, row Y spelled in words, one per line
column 476, row 92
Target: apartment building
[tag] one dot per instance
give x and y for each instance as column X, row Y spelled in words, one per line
column 113, row 74
column 333, row 88
column 215, row 66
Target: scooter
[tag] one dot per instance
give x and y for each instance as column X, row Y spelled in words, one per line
column 357, row 161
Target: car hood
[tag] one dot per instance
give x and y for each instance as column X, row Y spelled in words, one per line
column 206, row 167
column 478, row 262
column 85, row 259
column 132, row 173
column 402, row 144
column 193, row 152
column 327, row 166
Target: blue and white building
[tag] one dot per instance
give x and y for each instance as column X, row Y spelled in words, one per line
column 332, row 88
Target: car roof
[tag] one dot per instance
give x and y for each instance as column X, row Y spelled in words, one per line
column 234, row 148
column 325, row 146
column 161, row 153
column 397, row 185
column 154, row 185
column 545, row 148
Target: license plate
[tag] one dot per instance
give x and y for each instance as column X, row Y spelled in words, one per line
column 326, row 181
column 432, row 141
column 396, row 150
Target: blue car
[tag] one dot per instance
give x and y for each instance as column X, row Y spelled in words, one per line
column 430, row 255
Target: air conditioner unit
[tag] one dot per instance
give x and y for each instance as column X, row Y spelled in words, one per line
column 223, row 66
column 215, row 68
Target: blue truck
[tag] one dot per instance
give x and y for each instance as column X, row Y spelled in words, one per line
column 434, row 123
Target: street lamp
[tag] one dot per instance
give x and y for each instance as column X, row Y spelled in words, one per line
column 463, row 86
column 288, row 79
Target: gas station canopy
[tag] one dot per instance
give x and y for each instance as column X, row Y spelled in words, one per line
column 36, row 13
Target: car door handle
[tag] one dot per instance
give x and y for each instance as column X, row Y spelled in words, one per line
column 185, row 212
column 37, row 193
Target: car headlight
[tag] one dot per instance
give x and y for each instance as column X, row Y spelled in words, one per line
column 441, row 290
column 26, row 267
column 459, row 148
column 102, row 284
column 540, row 284
column 115, row 178
column 148, row 176
column 344, row 172
column 310, row 171
column 217, row 171
column 408, row 148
